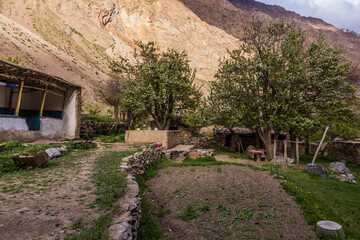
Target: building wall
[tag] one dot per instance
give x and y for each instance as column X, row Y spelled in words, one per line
column 70, row 121
column 168, row 138
column 50, row 128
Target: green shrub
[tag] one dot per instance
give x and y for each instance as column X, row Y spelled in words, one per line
column 188, row 214
column 8, row 165
column 205, row 208
column 225, row 211
column 10, row 145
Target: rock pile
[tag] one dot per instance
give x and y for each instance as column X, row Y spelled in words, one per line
column 91, row 128
column 179, row 156
column 344, row 173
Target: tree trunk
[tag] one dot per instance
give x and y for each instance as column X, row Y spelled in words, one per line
column 116, row 112
column 128, row 119
column 265, row 136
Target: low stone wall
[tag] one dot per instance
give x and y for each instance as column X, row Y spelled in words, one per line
column 349, row 151
column 168, row 138
column 91, row 128
column 125, row 226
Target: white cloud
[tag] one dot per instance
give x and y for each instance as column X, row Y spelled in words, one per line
column 341, row 13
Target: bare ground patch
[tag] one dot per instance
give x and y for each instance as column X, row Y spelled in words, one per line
column 224, row 202
column 48, row 202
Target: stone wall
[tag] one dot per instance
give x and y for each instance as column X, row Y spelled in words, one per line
column 91, row 128
column 349, row 151
column 126, row 224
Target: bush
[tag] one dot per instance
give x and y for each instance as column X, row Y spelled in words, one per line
column 10, row 145
column 8, row 165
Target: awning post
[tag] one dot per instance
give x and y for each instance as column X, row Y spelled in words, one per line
column 43, row 100
column 17, row 109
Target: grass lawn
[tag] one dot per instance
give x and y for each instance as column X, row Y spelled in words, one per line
column 232, row 155
column 327, row 199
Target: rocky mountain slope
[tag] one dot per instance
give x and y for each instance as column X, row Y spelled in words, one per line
column 75, row 39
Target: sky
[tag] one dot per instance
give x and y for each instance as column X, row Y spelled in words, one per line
column 340, row 13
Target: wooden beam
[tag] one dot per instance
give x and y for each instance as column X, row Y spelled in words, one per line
column 17, row 109
column 44, row 82
column 43, row 100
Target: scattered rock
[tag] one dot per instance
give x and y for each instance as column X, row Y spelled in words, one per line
column 53, row 152
column 344, row 173
column 319, row 170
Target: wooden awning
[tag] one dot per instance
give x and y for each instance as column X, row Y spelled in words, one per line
column 14, row 74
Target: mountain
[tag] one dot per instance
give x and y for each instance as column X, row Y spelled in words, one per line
column 76, row 39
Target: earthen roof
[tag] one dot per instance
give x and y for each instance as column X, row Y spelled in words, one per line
column 14, row 74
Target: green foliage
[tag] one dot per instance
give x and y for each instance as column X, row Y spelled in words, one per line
column 225, row 211
column 98, row 118
column 80, row 145
column 10, row 146
column 93, row 109
column 232, row 155
column 7, row 165
column 246, row 214
column 321, row 159
column 149, row 228
column 275, row 81
column 112, row 138
column 205, row 208
column 162, row 83
column 188, row 214
column 15, row 60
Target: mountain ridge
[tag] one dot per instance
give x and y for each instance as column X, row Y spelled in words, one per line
column 76, row 39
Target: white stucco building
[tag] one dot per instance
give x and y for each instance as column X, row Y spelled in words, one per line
column 37, row 106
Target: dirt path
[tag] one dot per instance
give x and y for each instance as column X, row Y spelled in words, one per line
column 46, row 202
column 228, row 202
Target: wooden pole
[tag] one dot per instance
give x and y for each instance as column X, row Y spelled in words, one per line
column 274, row 151
column 10, row 101
column 43, row 100
column 17, row 109
column 321, row 142
column 285, row 155
column 297, row 154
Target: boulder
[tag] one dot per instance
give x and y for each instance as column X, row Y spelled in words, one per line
column 344, row 173
column 319, row 170
column 53, row 152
